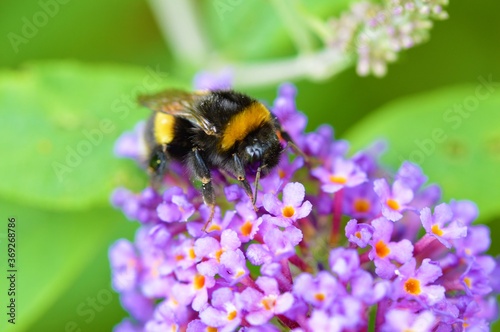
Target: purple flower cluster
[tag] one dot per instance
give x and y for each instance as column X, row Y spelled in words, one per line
column 337, row 244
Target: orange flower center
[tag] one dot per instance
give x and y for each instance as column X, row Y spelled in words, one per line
column 213, row 227
column 436, row 230
column 382, row 249
column 218, row 253
column 281, row 173
column 231, row 315
column 362, row 205
column 468, row 282
column 393, row 204
column 320, row 296
column 288, row 211
column 199, row 281
column 412, row 286
column 268, row 302
column 246, row 228
column 358, row 234
column 338, row 179
column 191, row 253
column 211, row 329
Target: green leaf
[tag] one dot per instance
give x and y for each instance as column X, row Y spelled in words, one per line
column 59, row 123
column 121, row 31
column 61, row 261
column 453, row 134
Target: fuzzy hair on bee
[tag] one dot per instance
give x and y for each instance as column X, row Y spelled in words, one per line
column 207, row 130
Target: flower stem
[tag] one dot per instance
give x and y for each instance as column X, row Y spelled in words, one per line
column 181, row 29
column 320, row 65
column 300, row 263
column 337, row 217
column 428, row 246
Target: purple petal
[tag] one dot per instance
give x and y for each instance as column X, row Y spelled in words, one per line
column 331, row 187
column 293, row 194
column 466, row 211
column 383, row 229
column 411, row 175
column 208, row 268
column 283, row 303
column 268, row 285
column 259, row 317
column 403, row 194
column 442, row 214
column 229, row 239
column 426, row 218
column 272, row 204
column 258, row 255
column 304, row 210
column 401, row 251
column 205, row 246
column 169, row 212
column 321, row 173
column 429, row 271
column 381, row 187
column 213, row 317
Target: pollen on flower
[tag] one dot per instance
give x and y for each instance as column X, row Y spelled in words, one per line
column 393, row 204
column 199, row 281
column 338, row 179
column 213, row 227
column 246, row 228
column 268, row 302
column 382, row 249
column 192, row 254
column 320, row 296
column 232, row 315
column 179, row 257
column 437, row 230
column 358, row 234
column 218, row 253
column 412, row 286
column 288, row 211
column 281, row 173
column 468, row 282
column 362, row 205
column 211, row 329
column 240, row 273
column 172, row 301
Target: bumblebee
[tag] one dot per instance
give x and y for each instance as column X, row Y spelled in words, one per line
column 207, row 130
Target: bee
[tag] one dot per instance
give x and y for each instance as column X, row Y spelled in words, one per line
column 207, row 130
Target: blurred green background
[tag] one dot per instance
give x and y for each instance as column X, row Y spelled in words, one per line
column 67, row 91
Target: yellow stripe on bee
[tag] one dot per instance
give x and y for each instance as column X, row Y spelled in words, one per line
column 164, row 128
column 243, row 123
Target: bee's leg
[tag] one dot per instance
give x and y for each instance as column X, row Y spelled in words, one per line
column 202, row 172
column 237, row 169
column 158, row 165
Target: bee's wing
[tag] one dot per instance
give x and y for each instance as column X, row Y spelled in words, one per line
column 181, row 104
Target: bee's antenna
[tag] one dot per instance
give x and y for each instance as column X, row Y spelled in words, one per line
column 297, row 150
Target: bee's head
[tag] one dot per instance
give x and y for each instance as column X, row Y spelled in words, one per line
column 261, row 149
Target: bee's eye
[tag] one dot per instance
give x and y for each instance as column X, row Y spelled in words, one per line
column 155, row 162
